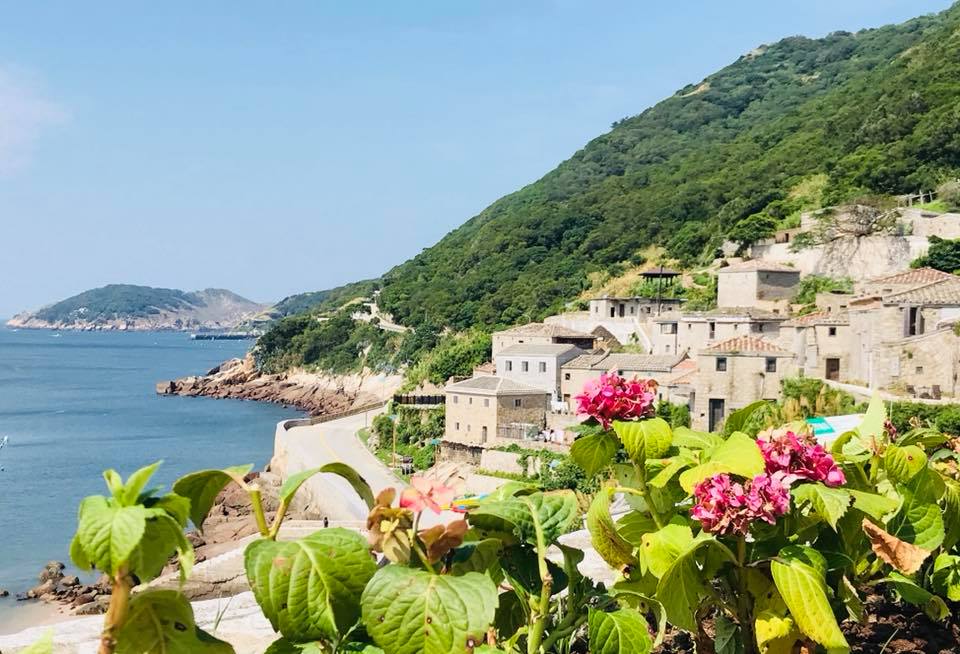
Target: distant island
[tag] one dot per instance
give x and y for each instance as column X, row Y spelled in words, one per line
column 125, row 307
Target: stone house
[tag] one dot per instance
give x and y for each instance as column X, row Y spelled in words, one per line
column 541, row 334
column 489, row 411
column 820, row 343
column 690, row 332
column 905, row 340
column 630, row 308
column 733, row 373
column 756, row 283
column 576, row 372
column 536, row 364
column 901, row 281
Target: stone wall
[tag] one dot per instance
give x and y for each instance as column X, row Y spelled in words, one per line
column 744, row 381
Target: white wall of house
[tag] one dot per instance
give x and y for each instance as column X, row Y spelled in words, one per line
column 537, row 371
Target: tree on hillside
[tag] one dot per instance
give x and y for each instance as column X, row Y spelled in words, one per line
column 943, row 255
column 751, row 229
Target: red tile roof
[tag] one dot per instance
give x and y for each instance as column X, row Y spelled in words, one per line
column 748, row 344
column 818, row 318
column 915, row 277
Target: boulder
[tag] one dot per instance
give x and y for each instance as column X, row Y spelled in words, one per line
column 70, row 581
column 4, row 592
column 45, row 588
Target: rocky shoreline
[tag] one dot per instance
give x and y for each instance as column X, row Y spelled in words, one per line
column 315, row 394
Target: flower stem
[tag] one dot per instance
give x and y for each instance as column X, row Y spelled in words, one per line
column 256, row 500
column 745, row 604
column 645, row 492
column 117, row 611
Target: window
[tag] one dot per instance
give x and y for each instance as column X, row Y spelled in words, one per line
column 666, row 348
column 486, row 401
column 831, row 331
column 919, row 370
column 771, row 364
column 721, row 364
column 668, row 328
column 525, row 366
column 456, row 426
column 566, row 376
column 483, row 434
column 517, row 403
column 456, row 399
column 713, row 330
column 543, row 366
column 469, row 400
column 468, row 427
column 509, row 365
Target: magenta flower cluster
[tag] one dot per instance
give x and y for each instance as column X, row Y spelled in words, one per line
column 611, row 397
column 724, row 506
column 798, row 457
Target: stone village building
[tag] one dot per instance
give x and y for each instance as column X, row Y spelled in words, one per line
column 679, row 333
column 536, row 364
column 539, row 333
column 488, row 411
column 577, row 372
column 756, row 283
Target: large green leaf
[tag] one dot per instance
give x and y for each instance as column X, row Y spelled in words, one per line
column 202, row 488
column 799, row 573
column 645, row 439
column 727, row 639
column 594, row 452
column 737, row 420
column 477, row 556
column 411, row 611
column 521, row 565
column 739, row 455
column 162, row 536
column 681, row 586
column 695, row 440
column 912, row 593
column 284, row 646
column 359, row 484
column 829, row 503
column 552, row 514
column 903, row 463
column 875, row 506
column 951, row 513
column 634, row 525
column 876, row 415
column 662, row 547
column 136, row 482
column 107, row 534
column 624, row 631
column 310, row 588
column 918, row 522
column 946, row 576
column 674, row 465
column 161, row 621
column 608, row 543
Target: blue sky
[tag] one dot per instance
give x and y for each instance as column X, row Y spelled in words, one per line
column 273, row 148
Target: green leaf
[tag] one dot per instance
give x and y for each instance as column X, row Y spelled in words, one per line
column 162, row 536
column 478, row 556
column 645, row 439
column 107, row 534
column 737, row 420
column 359, row 484
column 114, row 483
column 551, row 513
column 917, row 522
column 935, row 608
column 903, row 463
column 695, row 440
column 202, row 488
column 162, row 621
column 951, row 513
column 799, row 573
column 875, row 506
column 608, row 543
column 409, row 611
column 310, row 588
column 681, row 586
column 675, row 465
column 851, row 600
column 136, row 483
column 595, row 452
column 738, row 455
column 876, row 415
column 512, row 614
column 662, row 547
column 946, row 576
column 521, row 565
column 624, row 631
column 42, row 646
column 829, row 503
column 727, row 639
column 634, row 525
column 174, row 505
column 509, row 490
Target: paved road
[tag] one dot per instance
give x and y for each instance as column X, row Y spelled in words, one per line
column 302, row 448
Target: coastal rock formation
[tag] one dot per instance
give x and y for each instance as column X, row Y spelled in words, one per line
column 313, row 393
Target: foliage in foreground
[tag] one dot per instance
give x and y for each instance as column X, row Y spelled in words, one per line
column 773, row 539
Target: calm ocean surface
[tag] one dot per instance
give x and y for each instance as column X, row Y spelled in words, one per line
column 78, row 403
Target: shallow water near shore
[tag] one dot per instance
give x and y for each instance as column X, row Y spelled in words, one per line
column 80, row 402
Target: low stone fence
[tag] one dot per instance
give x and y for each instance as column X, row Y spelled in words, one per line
column 327, row 417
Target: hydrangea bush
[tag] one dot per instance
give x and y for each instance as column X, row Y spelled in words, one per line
column 754, row 544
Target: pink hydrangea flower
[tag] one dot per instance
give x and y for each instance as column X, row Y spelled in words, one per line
column 426, row 493
column 799, row 457
column 611, row 397
column 724, row 506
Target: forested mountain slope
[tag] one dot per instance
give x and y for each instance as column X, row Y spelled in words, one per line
column 871, row 112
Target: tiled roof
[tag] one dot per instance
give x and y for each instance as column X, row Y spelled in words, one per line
column 915, row 277
column 748, row 344
column 945, row 292
column 818, row 318
column 538, row 349
column 489, row 385
column 735, row 313
column 624, row 361
column 542, row 329
column 686, row 372
column 757, row 265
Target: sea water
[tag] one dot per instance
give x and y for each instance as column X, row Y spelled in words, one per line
column 75, row 403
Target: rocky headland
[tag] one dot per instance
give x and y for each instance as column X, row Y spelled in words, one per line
column 313, row 393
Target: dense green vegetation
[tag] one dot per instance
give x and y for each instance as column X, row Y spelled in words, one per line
column 117, row 300
column 327, row 300
column 810, row 285
column 943, row 254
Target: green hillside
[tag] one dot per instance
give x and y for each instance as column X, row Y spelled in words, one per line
column 790, row 126
column 115, row 301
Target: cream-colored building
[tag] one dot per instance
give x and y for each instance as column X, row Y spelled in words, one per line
column 538, row 333
column 905, row 340
column 489, row 411
column 608, row 308
column 536, row 364
column 902, row 281
column 681, row 333
column 756, row 283
column 820, row 342
column 577, row 372
column 735, row 373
